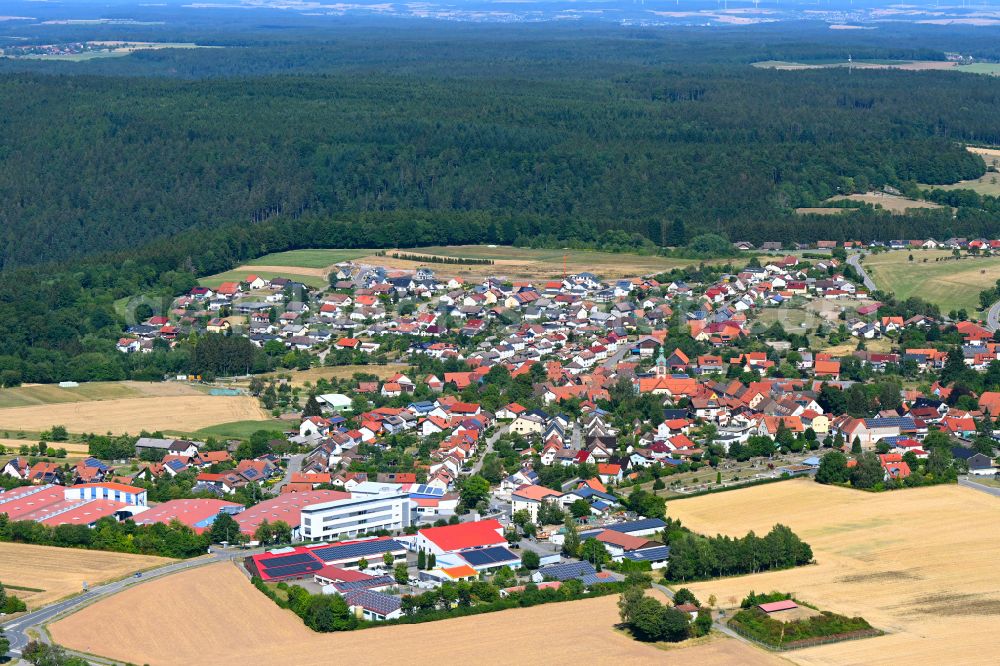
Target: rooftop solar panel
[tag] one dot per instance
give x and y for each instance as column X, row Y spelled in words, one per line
column 298, row 558
column 567, row 570
column 637, row 525
column 293, row 569
column 334, row 552
column 649, row 554
column 486, row 556
column 378, row 602
column 378, row 581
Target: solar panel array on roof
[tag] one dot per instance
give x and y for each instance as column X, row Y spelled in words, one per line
column 594, row 579
column 297, row 558
column 638, row 525
column 487, row 556
column 567, row 570
column 334, row 552
column 377, row 602
column 655, row 554
column 287, row 570
column 430, row 491
column 890, row 422
column 377, row 581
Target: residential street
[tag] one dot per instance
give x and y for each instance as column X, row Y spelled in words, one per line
column 490, row 441
column 294, row 466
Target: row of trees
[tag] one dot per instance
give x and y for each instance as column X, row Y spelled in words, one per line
column 166, row 540
column 695, row 557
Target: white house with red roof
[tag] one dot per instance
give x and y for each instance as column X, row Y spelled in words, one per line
column 463, row 536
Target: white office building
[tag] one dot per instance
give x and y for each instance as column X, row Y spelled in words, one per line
column 354, row 516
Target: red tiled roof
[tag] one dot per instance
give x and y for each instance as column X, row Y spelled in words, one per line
column 465, row 535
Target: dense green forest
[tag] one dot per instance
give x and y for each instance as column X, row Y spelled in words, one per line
column 113, row 186
column 90, row 164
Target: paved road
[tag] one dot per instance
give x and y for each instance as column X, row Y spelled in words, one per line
column 490, row 441
column 294, row 466
column 993, row 317
column 17, row 630
column 612, row 362
column 855, row 261
column 969, row 483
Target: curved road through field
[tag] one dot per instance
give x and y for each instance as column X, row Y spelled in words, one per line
column 30, row 626
column 855, row 261
column 993, row 317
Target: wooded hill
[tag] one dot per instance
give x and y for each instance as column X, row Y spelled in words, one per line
column 94, row 164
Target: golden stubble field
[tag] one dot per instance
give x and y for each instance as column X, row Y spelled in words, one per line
column 184, row 413
column 237, row 625
column 60, row 572
column 920, row 564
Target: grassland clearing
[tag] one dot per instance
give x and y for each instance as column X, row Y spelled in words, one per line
column 890, row 202
column 941, row 279
column 185, row 413
column 313, row 277
column 519, row 262
column 298, row 378
column 61, row 572
column 206, row 597
column 988, row 183
column 911, row 65
column 892, row 558
column 240, row 429
column 313, row 258
column 823, row 210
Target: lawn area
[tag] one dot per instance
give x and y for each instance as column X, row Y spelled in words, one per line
column 240, row 429
column 239, row 274
column 317, row 258
column 951, row 284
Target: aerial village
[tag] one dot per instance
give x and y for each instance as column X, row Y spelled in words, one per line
column 532, row 419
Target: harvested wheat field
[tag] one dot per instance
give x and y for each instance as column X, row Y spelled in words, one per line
column 132, row 415
column 919, row 564
column 61, row 572
column 238, row 625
